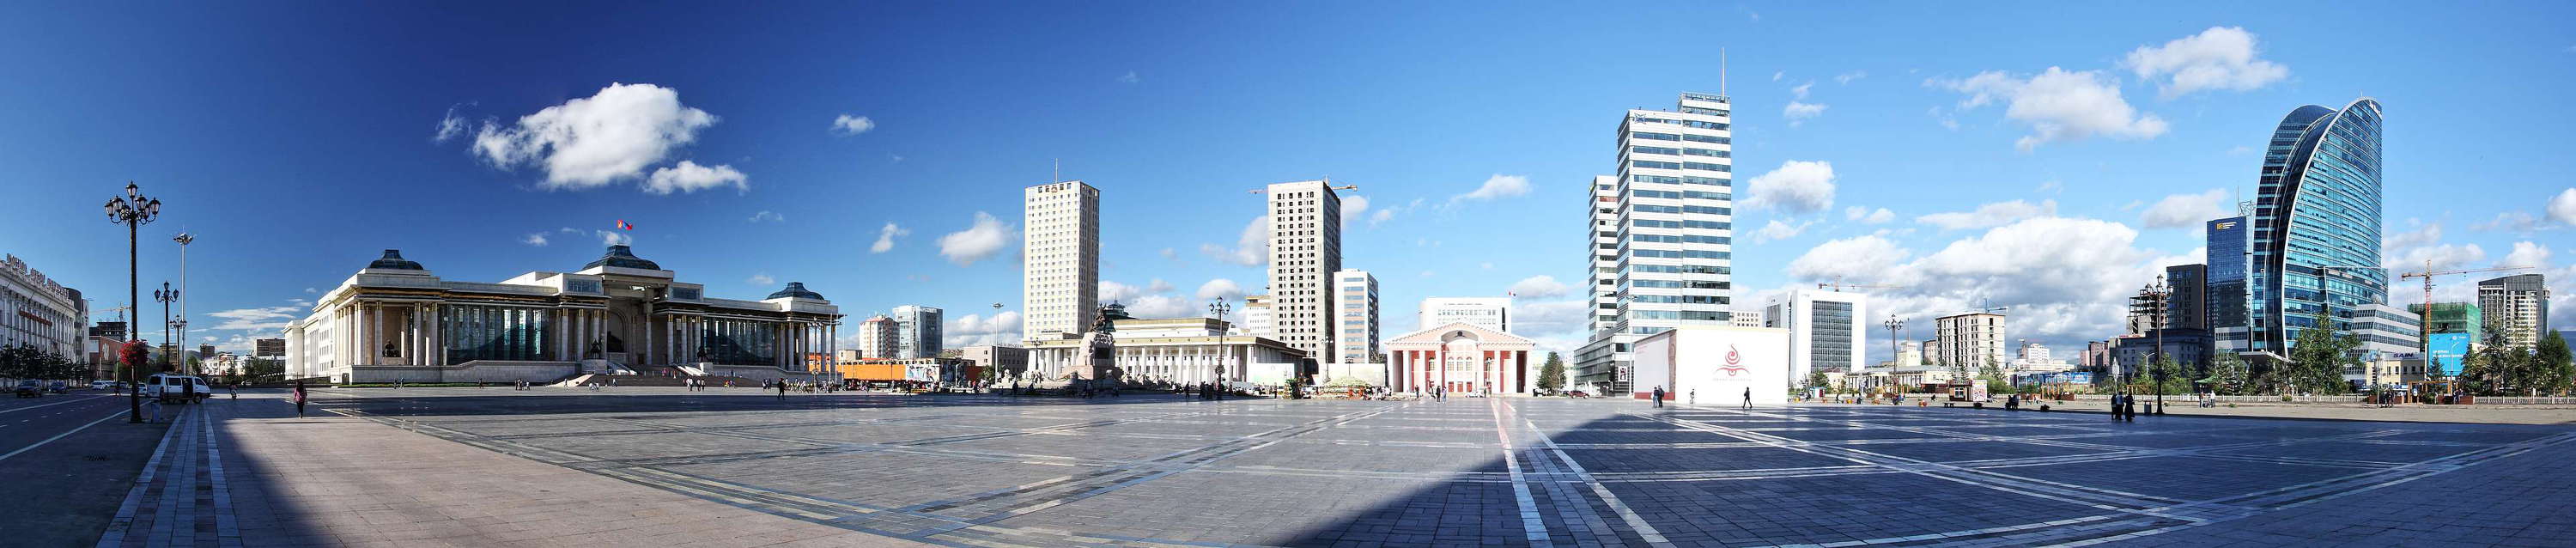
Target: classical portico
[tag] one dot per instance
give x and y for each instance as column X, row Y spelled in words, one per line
column 1460, row 357
column 394, row 320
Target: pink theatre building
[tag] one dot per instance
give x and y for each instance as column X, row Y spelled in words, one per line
column 1461, row 357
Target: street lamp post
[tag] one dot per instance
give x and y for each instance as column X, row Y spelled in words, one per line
column 2160, row 293
column 182, row 324
column 1894, row 344
column 1218, row 308
column 166, row 295
column 132, row 210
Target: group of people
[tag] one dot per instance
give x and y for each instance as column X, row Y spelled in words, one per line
column 1204, row 391
column 2124, row 407
column 1660, row 395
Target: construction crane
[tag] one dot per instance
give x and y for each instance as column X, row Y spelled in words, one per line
column 2424, row 320
column 1837, row 285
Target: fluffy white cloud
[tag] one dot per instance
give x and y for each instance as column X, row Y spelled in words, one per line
column 690, row 177
column 1163, row 306
column 1800, row 91
column 767, row 215
column 2562, row 208
column 449, row 126
column 1990, row 215
column 2064, row 279
column 976, row 329
column 263, row 318
column 1795, row 186
column 1798, row 112
column 986, row 238
column 886, row 236
column 1251, row 247
column 2442, row 256
column 2058, row 105
column 612, row 237
column 536, row 239
column 852, row 125
column 2511, row 221
column 1541, row 318
column 1538, row 287
column 1220, row 289
column 2188, row 210
column 1776, row 230
column 1867, row 216
column 1118, row 292
column 1848, row 77
column 2218, row 58
column 1497, row 186
column 761, row 280
column 2528, row 254
column 2428, row 235
column 1354, row 208
column 1864, row 257
column 596, row 140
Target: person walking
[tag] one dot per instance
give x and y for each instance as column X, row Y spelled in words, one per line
column 1748, row 397
column 1694, row 396
column 1659, row 395
column 782, row 389
column 299, row 399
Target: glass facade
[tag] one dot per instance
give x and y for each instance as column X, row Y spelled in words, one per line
column 2315, row 238
column 2226, row 283
column 739, row 342
column 1830, row 348
column 476, row 332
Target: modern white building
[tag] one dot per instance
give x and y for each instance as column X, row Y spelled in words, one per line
column 2385, row 329
column 1493, row 313
column 1172, row 350
column 36, row 311
column 1715, row 365
column 2516, row 306
column 1256, row 318
column 1062, row 287
column 1660, row 241
column 878, row 339
column 1305, row 251
column 1461, row 358
column 395, row 321
column 918, row 331
column 1825, row 331
column 1355, row 317
column 1969, row 340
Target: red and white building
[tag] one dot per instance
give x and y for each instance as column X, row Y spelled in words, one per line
column 1461, row 357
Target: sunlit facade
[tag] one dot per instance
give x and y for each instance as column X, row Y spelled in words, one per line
column 2315, row 242
column 1660, row 238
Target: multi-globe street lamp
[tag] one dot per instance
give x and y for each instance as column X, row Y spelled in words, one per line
column 132, row 210
column 1894, row 345
column 165, row 296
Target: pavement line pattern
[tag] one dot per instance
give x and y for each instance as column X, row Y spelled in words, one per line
column 1645, row 532
column 126, row 511
column 1533, row 526
column 17, row 409
column 66, row 433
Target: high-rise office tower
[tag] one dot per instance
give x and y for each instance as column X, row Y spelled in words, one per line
column 917, row 331
column 2516, row 307
column 878, row 338
column 1658, row 242
column 1305, row 251
column 1493, row 313
column 2188, row 306
column 2316, row 225
column 1825, row 330
column 1062, row 287
column 1355, row 325
column 2226, row 285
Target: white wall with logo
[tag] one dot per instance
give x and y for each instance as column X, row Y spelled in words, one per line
column 1719, row 362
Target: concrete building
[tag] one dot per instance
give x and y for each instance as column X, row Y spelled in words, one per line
column 1716, row 365
column 1659, row 241
column 1493, row 313
column 1257, row 319
column 1825, row 331
column 2516, row 307
column 1061, row 290
column 1971, row 340
column 1744, row 318
column 1007, row 361
column 918, row 331
column 1931, row 352
column 394, row 320
column 1171, row 350
column 1460, row 357
column 1908, row 354
column 1305, row 251
column 36, row 311
column 268, row 348
column 2384, row 329
column 1355, row 318
column 879, row 338
column 2463, row 318
column 2188, row 306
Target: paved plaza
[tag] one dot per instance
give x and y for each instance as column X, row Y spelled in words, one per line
column 743, row 468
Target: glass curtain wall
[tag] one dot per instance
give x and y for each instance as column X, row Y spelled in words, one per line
column 739, row 342
column 478, row 332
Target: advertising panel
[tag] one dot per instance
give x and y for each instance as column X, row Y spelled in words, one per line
column 2448, row 349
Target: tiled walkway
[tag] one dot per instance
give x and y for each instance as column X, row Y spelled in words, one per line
column 535, row 467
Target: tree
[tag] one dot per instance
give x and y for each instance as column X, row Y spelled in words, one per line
column 2556, row 362
column 1551, row 376
column 2318, row 358
column 2165, row 374
column 2227, row 374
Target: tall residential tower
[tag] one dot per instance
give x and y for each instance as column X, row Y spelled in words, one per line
column 1355, row 324
column 1658, row 240
column 1062, row 290
column 1305, row 251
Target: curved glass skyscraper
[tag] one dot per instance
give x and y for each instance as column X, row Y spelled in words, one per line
column 2315, row 239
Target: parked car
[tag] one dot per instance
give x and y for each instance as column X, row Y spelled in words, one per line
column 58, row 387
column 29, row 389
column 171, row 387
column 103, row 385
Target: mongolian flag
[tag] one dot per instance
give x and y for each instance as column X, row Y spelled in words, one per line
column 623, row 225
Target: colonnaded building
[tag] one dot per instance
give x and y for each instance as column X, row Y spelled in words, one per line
column 1169, row 350
column 395, row 321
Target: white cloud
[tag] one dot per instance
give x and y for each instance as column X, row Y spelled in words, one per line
column 1220, row 289
column 2052, row 185
column 1867, row 216
column 612, row 237
column 767, row 215
column 978, row 329
column 1111, row 291
column 1129, row 78
column 1795, row 186
column 312, row 290
column 1848, row 77
column 1382, row 215
column 1990, row 215
column 2562, row 208
column 852, row 125
column 2442, row 256
column 1163, row 306
column 2428, row 235
column 263, row 318
column 886, row 236
column 1798, row 112
column 2527, row 254
column 449, row 126
column 986, row 238
column 2511, row 221
column 1537, row 287
column 2064, row 279
column 2188, row 210
column 1862, row 257
column 1353, row 209
column 537, row 239
column 1497, row 186
column 1778, row 74
column 2218, row 58
column 1800, row 91
column 690, row 177
column 1251, row 247
column 761, row 280
column 2058, row 105
column 1776, row 230
column 1550, row 318
column 1173, row 254
column 593, row 141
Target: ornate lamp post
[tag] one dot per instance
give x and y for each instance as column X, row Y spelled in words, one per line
column 165, row 296
column 1894, row 341
column 2159, row 293
column 132, row 210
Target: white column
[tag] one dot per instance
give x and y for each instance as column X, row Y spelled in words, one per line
column 373, row 330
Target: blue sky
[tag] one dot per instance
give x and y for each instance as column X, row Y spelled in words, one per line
column 298, row 140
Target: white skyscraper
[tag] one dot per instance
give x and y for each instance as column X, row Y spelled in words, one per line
column 1659, row 246
column 1062, row 290
column 1487, row 312
column 1355, row 325
column 1305, row 250
column 1968, row 341
column 1825, row 331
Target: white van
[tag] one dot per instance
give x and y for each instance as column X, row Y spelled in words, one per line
column 169, row 387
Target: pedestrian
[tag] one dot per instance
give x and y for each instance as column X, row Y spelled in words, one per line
column 1748, row 397
column 1659, row 395
column 299, row 399
column 782, row 389
column 1694, row 396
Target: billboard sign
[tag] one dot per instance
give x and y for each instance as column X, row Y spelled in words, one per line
column 2448, row 349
